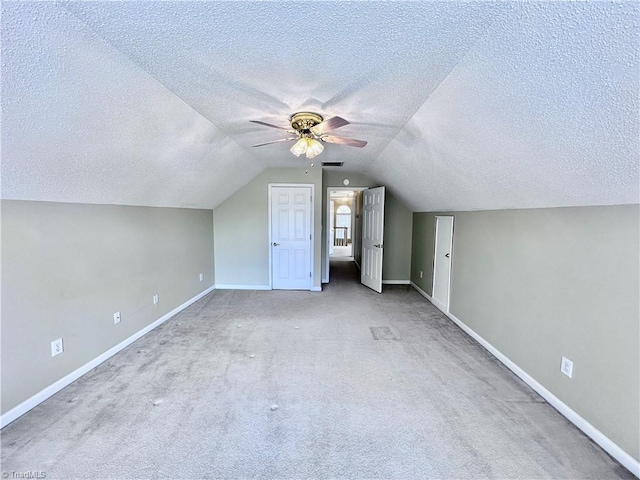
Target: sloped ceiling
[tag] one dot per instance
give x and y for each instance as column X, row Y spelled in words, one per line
column 465, row 105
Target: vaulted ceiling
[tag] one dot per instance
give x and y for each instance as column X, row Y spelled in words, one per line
column 465, row 105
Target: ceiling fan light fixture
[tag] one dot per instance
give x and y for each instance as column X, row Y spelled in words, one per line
column 314, row 148
column 299, row 147
column 311, row 129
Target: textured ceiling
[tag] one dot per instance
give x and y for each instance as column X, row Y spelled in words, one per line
column 465, row 105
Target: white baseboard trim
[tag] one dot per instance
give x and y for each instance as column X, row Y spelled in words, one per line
column 596, row 435
column 439, row 305
column 421, row 292
column 316, row 289
column 396, row 282
column 242, row 287
column 55, row 387
column 436, row 303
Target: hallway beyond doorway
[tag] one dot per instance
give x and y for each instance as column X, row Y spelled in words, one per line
column 342, row 251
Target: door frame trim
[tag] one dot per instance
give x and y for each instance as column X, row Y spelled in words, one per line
column 327, row 227
column 435, row 251
column 311, row 186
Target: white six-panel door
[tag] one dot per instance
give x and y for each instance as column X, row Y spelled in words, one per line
column 291, row 237
column 372, row 238
column 442, row 262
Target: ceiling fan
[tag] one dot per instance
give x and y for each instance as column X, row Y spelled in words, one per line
column 311, row 129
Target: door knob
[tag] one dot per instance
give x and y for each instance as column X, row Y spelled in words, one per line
column 379, row 245
column 447, row 255
column 275, row 244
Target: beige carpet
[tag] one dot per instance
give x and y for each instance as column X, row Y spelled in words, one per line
column 344, row 383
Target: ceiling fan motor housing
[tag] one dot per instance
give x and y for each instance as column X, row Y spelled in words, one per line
column 302, row 122
column 312, row 127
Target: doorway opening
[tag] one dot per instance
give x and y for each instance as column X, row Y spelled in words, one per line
column 344, row 228
column 355, row 234
column 341, row 231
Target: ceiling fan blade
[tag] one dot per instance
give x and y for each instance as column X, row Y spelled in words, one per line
column 275, row 141
column 269, row 125
column 352, row 142
column 329, row 124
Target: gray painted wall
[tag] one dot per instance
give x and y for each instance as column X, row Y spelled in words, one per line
column 422, row 249
column 542, row 283
column 67, row 268
column 398, row 227
column 242, row 228
column 396, row 264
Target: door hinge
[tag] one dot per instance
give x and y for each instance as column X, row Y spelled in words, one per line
column 309, row 274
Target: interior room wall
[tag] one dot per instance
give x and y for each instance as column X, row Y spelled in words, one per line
column 67, row 268
column 540, row 284
column 242, row 229
column 422, row 250
column 398, row 227
column 396, row 262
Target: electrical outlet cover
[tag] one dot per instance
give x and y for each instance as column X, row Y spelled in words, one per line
column 57, row 347
column 566, row 367
column 201, row 277
column 116, row 317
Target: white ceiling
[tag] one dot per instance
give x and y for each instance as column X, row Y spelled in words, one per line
column 465, row 105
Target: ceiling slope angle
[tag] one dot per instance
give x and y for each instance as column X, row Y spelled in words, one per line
column 542, row 112
column 373, row 63
column 465, row 105
column 83, row 124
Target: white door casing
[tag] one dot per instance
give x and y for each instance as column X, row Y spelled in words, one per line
column 291, row 237
column 372, row 238
column 442, row 262
column 354, row 234
column 331, row 228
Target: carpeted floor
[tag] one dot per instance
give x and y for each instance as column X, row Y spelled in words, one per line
column 342, row 252
column 366, row 386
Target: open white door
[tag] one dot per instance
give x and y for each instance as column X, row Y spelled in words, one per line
column 291, row 237
column 442, row 262
column 372, row 238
